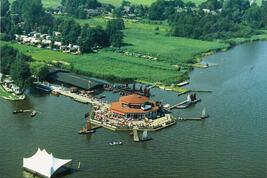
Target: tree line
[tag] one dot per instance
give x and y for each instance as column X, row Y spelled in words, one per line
column 212, row 19
column 16, row 65
column 29, row 15
column 77, row 8
column 20, row 67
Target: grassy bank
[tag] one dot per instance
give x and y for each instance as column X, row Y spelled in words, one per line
column 5, row 95
column 108, row 65
column 153, row 40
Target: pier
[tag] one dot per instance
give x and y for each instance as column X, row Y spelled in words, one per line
column 120, row 125
column 83, row 99
column 191, row 99
column 190, row 118
column 183, row 105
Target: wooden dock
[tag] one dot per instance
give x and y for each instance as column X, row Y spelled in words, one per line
column 157, row 124
column 190, row 118
column 83, row 99
column 183, row 105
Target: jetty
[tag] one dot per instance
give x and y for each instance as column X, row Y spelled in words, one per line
column 203, row 116
column 120, row 125
column 82, row 99
column 191, row 99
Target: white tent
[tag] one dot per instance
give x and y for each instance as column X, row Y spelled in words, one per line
column 43, row 163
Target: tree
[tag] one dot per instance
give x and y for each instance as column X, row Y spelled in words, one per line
column 4, row 7
column 117, row 39
column 7, row 57
column 77, row 8
column 117, row 12
column 70, row 31
column 254, row 16
column 20, row 72
column 87, row 39
column 39, row 70
column 114, row 32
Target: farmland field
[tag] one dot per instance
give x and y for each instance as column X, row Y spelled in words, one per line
column 142, row 38
column 107, row 64
column 48, row 3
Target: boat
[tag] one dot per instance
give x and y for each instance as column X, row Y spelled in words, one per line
column 44, row 86
column 55, row 92
column 203, row 114
column 135, row 135
column 87, row 129
column 18, row 111
column 100, row 97
column 115, row 143
column 183, row 83
column 33, row 113
column 145, row 137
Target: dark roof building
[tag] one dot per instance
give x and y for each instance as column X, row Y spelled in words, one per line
column 87, row 83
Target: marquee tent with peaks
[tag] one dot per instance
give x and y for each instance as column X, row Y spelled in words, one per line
column 44, row 163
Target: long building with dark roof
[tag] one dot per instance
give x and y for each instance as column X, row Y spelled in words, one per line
column 83, row 82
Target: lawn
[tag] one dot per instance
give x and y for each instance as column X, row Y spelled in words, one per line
column 4, row 94
column 142, row 38
column 47, row 3
column 108, row 65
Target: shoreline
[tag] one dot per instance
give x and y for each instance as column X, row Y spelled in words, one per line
column 197, row 64
column 10, row 96
column 200, row 56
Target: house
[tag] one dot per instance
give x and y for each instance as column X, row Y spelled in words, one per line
column 57, row 34
column 92, row 12
column 16, row 90
column 35, row 41
column 58, row 44
column 46, row 42
column 1, row 77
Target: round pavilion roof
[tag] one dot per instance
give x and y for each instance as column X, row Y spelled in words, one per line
column 134, row 99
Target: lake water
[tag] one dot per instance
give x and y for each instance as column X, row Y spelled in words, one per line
column 232, row 142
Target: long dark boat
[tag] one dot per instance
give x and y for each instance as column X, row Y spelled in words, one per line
column 44, row 86
column 18, row 111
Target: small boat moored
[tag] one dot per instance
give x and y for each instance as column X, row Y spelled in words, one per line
column 18, row 111
column 203, row 114
column 145, row 137
column 33, row 113
column 85, row 131
column 115, row 143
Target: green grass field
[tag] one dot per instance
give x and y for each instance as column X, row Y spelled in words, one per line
column 47, row 3
column 141, row 38
column 108, row 65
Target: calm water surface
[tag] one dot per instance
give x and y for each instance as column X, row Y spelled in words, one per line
column 231, row 143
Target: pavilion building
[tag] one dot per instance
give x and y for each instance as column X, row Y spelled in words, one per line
column 134, row 107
